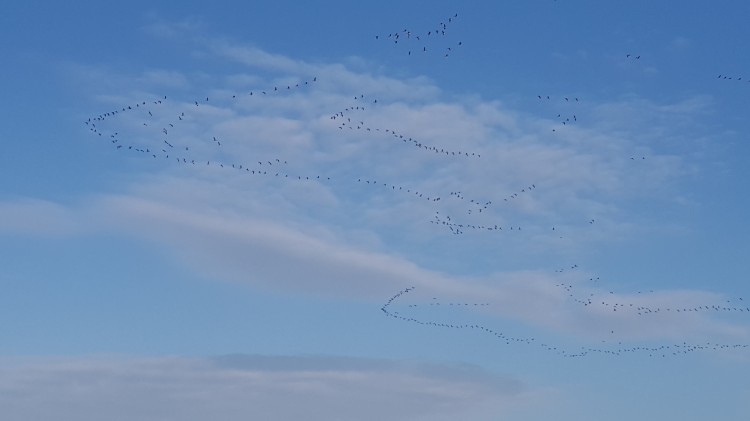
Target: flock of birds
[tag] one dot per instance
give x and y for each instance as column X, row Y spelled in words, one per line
column 422, row 42
column 738, row 79
column 157, row 128
column 566, row 114
column 348, row 123
column 156, row 139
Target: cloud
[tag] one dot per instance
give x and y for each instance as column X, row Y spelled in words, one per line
column 266, row 253
column 260, row 387
column 37, row 217
column 258, row 58
column 680, row 43
column 273, row 255
column 322, row 183
column 170, row 29
column 164, row 78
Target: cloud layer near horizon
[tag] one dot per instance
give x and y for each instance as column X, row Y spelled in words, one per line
column 239, row 387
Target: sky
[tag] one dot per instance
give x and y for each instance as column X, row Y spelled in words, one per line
column 415, row 210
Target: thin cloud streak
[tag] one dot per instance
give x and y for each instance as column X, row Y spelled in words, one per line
column 235, row 387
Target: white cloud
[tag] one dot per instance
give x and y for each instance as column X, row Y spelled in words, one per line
column 172, row 30
column 164, row 78
column 37, row 217
column 224, row 244
column 680, row 43
column 258, row 58
column 258, row 387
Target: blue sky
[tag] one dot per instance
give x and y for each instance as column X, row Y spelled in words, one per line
column 322, row 250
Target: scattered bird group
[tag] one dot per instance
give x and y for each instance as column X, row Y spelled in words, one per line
column 424, row 41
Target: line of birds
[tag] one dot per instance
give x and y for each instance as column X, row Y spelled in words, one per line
column 734, row 78
column 641, row 309
column 347, row 123
column 435, row 302
column 458, row 228
column 151, row 119
column 663, row 351
column 166, row 127
column 393, row 187
column 142, row 105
